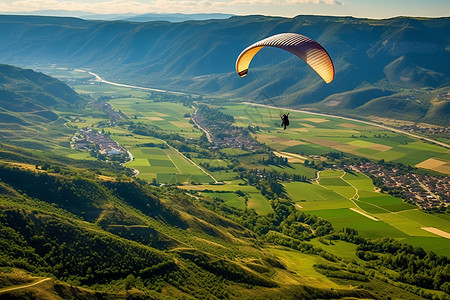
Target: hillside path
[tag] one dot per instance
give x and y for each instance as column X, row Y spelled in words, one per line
column 23, row 286
column 355, row 197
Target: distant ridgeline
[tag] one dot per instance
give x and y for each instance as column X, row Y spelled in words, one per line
column 392, row 68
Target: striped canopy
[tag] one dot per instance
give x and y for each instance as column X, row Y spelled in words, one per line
column 305, row 48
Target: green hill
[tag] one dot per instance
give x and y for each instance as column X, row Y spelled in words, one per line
column 110, row 236
column 28, row 97
column 32, row 103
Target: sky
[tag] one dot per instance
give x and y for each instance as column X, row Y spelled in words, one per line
column 287, row 8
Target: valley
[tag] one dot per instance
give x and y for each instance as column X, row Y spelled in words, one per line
column 377, row 75
column 136, row 168
column 341, row 197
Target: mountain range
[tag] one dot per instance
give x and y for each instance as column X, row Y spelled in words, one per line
column 134, row 17
column 392, row 68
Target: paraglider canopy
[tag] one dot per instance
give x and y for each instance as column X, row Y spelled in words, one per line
column 305, row 48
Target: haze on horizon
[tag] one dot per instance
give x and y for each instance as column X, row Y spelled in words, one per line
column 378, row 9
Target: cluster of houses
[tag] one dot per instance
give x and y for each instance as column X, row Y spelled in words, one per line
column 90, row 139
column 430, row 130
column 224, row 135
column 114, row 117
column 428, row 192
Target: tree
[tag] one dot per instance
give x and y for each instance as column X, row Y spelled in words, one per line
column 130, row 282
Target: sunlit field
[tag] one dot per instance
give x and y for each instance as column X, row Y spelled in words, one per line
column 309, row 134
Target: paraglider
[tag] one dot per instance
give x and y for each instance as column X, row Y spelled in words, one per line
column 285, row 120
column 305, row 48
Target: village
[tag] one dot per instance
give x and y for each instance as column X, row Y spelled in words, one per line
column 114, row 116
column 428, row 192
column 100, row 145
column 222, row 134
column 421, row 129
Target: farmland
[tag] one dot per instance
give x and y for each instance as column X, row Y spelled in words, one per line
column 346, row 199
column 350, row 200
column 319, row 135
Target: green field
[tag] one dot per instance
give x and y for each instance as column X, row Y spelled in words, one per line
column 338, row 248
column 384, row 201
column 438, row 245
column 303, row 265
column 230, row 198
column 342, row 218
column 166, row 166
column 331, row 196
column 81, row 155
column 314, row 197
column 317, row 135
column 259, row 203
column 359, row 181
column 337, row 192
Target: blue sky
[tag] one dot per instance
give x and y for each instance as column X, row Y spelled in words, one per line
column 287, row 8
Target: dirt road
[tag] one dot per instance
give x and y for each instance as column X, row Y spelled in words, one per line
column 23, row 286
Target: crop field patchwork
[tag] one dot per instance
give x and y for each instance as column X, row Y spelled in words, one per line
column 165, row 165
column 336, row 196
column 307, row 149
column 165, row 115
column 315, row 135
column 435, row 164
column 339, row 196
